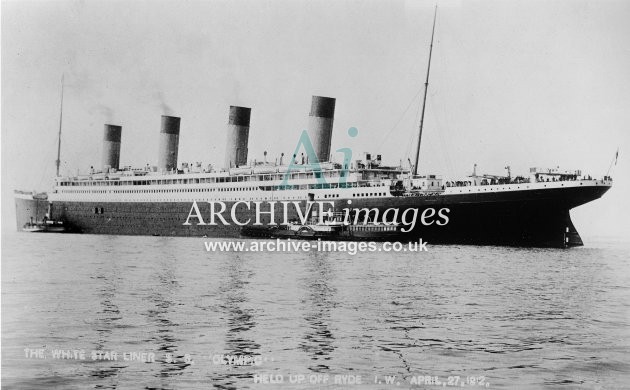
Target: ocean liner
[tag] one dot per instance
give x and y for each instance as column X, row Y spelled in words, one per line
column 159, row 200
column 172, row 199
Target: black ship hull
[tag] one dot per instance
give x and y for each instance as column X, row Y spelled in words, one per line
column 538, row 218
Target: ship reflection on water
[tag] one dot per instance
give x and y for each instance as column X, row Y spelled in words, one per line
column 239, row 319
column 107, row 283
column 318, row 302
column 162, row 301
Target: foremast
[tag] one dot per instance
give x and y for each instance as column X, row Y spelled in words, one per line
column 424, row 101
column 58, row 160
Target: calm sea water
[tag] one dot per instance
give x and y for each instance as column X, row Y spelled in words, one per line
column 521, row 318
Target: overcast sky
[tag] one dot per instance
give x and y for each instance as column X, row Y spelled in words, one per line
column 524, row 83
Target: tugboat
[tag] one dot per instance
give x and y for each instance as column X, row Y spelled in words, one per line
column 32, row 227
column 45, row 226
column 331, row 226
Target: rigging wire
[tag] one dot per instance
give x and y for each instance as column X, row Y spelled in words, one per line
column 444, row 149
column 386, row 136
column 47, row 167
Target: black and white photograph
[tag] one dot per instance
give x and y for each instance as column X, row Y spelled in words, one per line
column 315, row 194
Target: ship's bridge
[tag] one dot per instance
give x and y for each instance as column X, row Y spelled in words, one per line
column 426, row 183
column 553, row 174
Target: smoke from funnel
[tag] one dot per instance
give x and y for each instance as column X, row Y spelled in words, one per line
column 166, row 109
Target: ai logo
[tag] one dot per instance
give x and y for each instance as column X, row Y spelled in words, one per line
column 314, row 163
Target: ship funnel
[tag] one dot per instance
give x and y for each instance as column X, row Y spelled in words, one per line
column 320, row 126
column 237, row 137
column 111, row 147
column 169, row 142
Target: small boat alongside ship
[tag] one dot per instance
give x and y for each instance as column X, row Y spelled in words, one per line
column 34, row 207
column 329, row 226
column 45, row 226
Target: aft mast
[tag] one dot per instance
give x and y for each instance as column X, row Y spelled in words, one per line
column 424, row 102
column 58, row 161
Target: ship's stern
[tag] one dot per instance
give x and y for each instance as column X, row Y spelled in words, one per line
column 29, row 208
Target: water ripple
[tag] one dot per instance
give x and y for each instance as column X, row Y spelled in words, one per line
column 526, row 318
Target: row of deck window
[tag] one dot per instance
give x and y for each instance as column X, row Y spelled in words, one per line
column 226, row 189
column 226, row 179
